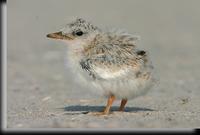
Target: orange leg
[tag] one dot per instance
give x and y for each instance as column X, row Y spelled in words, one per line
column 107, row 108
column 123, row 103
column 109, row 104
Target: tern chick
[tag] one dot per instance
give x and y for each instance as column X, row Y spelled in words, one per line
column 108, row 62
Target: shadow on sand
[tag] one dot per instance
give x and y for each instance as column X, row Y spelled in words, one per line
column 86, row 109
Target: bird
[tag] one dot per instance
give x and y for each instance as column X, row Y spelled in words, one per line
column 107, row 61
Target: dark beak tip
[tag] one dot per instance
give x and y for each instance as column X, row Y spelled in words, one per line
column 51, row 35
column 48, row 35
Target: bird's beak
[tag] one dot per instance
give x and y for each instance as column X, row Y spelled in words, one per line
column 59, row 35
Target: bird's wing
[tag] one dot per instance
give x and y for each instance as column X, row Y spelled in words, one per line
column 111, row 61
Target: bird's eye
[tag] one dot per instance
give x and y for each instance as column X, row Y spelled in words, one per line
column 79, row 33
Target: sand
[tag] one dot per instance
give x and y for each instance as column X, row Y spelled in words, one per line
column 42, row 94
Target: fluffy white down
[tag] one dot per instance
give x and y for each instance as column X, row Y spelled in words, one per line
column 122, row 88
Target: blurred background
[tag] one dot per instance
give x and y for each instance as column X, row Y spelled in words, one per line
column 38, row 82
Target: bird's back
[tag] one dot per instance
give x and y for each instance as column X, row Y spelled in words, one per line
column 114, row 56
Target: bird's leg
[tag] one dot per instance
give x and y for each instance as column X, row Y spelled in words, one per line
column 107, row 108
column 123, row 103
column 109, row 104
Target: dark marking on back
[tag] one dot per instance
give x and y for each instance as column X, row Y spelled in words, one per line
column 141, row 52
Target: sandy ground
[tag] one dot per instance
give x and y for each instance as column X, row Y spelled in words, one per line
column 41, row 93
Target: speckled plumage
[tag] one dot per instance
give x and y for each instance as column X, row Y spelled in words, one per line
column 109, row 62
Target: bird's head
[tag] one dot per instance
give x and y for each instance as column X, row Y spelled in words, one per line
column 76, row 31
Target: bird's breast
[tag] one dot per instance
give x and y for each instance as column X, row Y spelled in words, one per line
column 106, row 73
